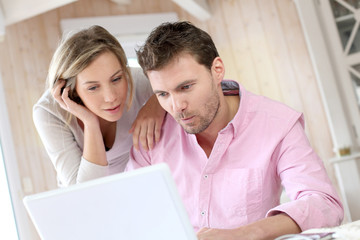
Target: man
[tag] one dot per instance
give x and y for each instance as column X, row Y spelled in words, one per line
column 230, row 156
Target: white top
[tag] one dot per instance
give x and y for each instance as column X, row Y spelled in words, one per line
column 64, row 141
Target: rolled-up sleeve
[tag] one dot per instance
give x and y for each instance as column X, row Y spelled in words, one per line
column 314, row 201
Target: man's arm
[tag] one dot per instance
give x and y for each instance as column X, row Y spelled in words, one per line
column 267, row 228
column 314, row 202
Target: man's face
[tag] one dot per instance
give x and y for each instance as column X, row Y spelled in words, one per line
column 188, row 91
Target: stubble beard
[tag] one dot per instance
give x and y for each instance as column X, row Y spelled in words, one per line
column 206, row 117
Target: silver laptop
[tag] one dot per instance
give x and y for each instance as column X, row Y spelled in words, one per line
column 138, row 205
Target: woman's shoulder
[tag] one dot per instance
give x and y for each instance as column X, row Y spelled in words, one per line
column 47, row 106
column 138, row 77
column 142, row 87
column 45, row 98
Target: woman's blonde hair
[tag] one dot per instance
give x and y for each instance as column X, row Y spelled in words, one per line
column 75, row 53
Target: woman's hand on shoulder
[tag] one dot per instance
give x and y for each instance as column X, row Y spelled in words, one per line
column 78, row 110
column 146, row 128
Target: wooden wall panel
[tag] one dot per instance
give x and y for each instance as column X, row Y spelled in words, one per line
column 280, row 57
column 261, row 43
column 245, row 71
column 317, row 126
column 259, row 49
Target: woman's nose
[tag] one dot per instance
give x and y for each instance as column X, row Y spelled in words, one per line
column 109, row 95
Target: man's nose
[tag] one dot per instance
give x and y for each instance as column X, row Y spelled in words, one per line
column 179, row 104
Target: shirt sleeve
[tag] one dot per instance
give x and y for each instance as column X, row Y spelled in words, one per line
column 314, row 201
column 88, row 171
column 138, row 158
column 63, row 149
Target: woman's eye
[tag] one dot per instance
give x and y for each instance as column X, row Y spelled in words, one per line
column 117, row 79
column 92, row 88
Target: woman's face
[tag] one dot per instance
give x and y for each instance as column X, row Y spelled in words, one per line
column 102, row 87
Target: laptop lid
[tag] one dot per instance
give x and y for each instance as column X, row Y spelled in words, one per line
column 136, row 205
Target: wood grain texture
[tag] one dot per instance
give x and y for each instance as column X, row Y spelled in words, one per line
column 260, row 41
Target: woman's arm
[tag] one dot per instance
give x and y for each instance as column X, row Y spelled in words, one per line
column 59, row 142
column 64, row 142
column 146, row 128
column 94, row 148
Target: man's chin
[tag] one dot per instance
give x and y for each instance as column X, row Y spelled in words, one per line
column 190, row 130
column 187, row 129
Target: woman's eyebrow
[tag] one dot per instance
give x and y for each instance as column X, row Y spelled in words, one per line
column 92, row 82
column 116, row 73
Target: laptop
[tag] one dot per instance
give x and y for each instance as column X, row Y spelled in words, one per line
column 142, row 204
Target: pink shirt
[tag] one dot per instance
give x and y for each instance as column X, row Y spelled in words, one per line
column 262, row 149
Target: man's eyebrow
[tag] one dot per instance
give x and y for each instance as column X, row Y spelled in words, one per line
column 158, row 91
column 185, row 83
column 180, row 85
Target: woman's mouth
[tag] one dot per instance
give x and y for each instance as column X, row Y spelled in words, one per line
column 113, row 110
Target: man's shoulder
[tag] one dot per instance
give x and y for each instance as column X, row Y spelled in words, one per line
column 258, row 103
column 259, row 109
column 171, row 131
column 170, row 124
column 171, row 140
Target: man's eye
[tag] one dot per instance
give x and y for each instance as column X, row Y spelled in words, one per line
column 186, row 86
column 162, row 94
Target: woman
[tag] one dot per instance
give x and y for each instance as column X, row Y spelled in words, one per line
column 92, row 105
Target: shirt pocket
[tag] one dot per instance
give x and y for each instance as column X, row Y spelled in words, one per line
column 238, row 191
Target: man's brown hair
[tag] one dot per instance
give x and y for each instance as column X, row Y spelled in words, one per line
column 169, row 40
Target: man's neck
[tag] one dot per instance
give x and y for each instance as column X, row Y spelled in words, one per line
column 228, row 108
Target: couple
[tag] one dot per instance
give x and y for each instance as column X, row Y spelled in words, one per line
column 230, row 151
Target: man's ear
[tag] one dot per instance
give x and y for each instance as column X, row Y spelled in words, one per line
column 218, row 69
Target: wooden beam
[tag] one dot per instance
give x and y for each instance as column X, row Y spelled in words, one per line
column 121, row 2
column 129, row 37
column 198, row 8
column 19, row 10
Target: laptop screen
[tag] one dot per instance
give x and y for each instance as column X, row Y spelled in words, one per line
column 137, row 205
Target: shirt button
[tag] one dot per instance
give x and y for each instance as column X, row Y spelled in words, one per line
column 203, row 213
column 206, row 176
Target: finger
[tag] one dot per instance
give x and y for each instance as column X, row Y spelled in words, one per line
column 143, row 137
column 65, row 97
column 135, row 133
column 56, row 93
column 131, row 130
column 150, row 134
column 203, row 230
column 70, row 105
column 203, row 233
column 58, row 85
column 157, row 131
